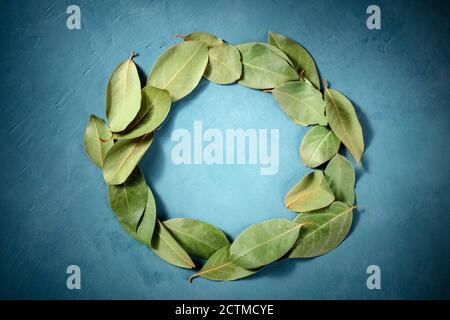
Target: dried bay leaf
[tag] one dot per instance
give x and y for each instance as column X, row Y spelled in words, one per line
column 341, row 178
column 198, row 238
column 123, row 95
column 155, row 107
column 205, row 37
column 311, row 193
column 301, row 102
column 168, row 249
column 123, row 157
column 220, row 267
column 264, row 242
column 323, row 230
column 147, row 224
column 224, row 64
column 96, row 140
column 343, row 121
column 128, row 200
column 263, row 68
column 301, row 59
column 180, row 68
column 319, row 145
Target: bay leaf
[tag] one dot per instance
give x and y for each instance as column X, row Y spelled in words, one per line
column 343, row 121
column 168, row 249
column 146, row 226
column 123, row 157
column 263, row 68
column 264, row 242
column 301, row 59
column 198, row 238
column 128, row 200
column 341, row 178
column 180, row 68
column 278, row 52
column 123, row 95
column 155, row 106
column 323, row 230
column 224, row 64
column 311, row 193
column 220, row 267
column 96, row 149
column 205, row 37
column 318, row 146
column 301, row 102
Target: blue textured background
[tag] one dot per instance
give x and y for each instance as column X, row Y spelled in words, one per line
column 54, row 209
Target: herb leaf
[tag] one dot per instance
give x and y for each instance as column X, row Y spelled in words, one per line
column 155, row 107
column 341, row 178
column 220, row 267
column 319, row 145
column 168, row 249
column 263, row 68
column 180, row 68
column 301, row 102
column 298, row 55
column 224, row 64
column 198, row 238
column 97, row 140
column 123, row 157
column 323, row 230
column 343, row 121
column 264, row 242
column 311, row 193
column 128, row 200
column 123, row 95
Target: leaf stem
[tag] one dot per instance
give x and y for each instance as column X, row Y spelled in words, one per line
column 182, row 37
column 133, row 54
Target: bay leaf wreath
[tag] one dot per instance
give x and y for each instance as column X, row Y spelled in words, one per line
column 324, row 199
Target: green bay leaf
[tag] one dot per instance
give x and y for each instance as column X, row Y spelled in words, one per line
column 97, row 140
column 318, row 146
column 155, row 107
column 301, row 59
column 343, row 121
column 264, row 242
column 180, row 68
column 168, row 249
column 220, row 267
column 198, row 238
column 341, row 178
column 123, row 95
column 224, row 64
column 323, row 230
column 146, row 226
column 311, row 193
column 128, row 200
column 205, row 37
column 263, row 68
column 301, row 102
column 123, row 157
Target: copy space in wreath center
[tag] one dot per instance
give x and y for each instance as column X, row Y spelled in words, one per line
column 232, row 146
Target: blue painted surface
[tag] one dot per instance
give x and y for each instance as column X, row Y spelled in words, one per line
column 54, row 209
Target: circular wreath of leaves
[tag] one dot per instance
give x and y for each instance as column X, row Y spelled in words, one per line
column 323, row 199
